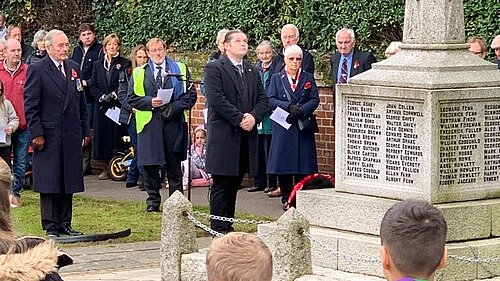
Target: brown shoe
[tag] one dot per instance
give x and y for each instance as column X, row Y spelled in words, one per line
column 103, row 175
column 275, row 193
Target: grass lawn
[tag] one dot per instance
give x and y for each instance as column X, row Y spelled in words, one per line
column 93, row 216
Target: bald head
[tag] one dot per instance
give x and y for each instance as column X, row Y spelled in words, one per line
column 12, row 52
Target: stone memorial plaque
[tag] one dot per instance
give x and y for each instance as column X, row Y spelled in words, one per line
column 469, row 143
column 383, row 141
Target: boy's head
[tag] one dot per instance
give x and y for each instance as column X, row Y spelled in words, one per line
column 413, row 235
column 239, row 256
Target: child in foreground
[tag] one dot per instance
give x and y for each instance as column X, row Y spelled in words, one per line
column 413, row 235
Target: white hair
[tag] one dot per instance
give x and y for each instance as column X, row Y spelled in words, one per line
column 393, row 48
column 221, row 35
column 348, row 31
column 49, row 38
column 40, row 34
column 293, row 50
column 265, row 43
column 291, row 26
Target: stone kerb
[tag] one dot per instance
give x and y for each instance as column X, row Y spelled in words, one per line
column 292, row 249
column 178, row 236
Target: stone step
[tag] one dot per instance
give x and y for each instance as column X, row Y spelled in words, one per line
column 352, row 252
column 362, row 214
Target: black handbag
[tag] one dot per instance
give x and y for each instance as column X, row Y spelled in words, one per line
column 307, row 124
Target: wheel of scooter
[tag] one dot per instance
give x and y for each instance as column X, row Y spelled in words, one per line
column 117, row 172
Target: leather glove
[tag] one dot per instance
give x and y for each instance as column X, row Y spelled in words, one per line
column 293, row 108
column 293, row 117
column 109, row 97
column 38, row 142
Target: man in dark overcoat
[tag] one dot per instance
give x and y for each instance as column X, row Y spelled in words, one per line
column 162, row 137
column 237, row 102
column 56, row 113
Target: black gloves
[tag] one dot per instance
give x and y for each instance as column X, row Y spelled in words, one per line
column 109, row 97
column 295, row 114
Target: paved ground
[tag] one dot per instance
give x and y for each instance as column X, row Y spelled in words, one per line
column 140, row 261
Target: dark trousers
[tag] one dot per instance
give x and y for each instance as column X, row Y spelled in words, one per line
column 5, row 155
column 152, row 180
column 56, row 210
column 223, row 200
column 287, row 183
column 260, row 179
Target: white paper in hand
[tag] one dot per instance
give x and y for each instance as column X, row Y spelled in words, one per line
column 114, row 114
column 3, row 135
column 165, row 95
column 205, row 115
column 279, row 116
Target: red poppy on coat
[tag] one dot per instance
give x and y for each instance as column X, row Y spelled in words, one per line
column 356, row 64
column 73, row 73
column 307, row 85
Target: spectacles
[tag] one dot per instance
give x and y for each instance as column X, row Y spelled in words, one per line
column 294, row 59
column 477, row 53
column 157, row 50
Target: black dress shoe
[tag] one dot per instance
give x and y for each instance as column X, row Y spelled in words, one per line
column 151, row 209
column 255, row 188
column 130, row 184
column 270, row 188
column 67, row 230
column 52, row 233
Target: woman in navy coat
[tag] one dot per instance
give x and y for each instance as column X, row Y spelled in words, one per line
column 104, row 88
column 293, row 152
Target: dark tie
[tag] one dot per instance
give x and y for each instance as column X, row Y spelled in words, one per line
column 343, row 73
column 61, row 70
column 158, row 77
column 240, row 69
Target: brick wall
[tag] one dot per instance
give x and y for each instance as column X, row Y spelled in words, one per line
column 325, row 139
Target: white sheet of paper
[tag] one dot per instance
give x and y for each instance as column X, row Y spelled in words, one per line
column 165, row 95
column 279, row 116
column 114, row 114
column 205, row 115
column 3, row 135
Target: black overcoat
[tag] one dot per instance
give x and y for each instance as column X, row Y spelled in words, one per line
column 223, row 91
column 107, row 134
column 153, row 145
column 56, row 110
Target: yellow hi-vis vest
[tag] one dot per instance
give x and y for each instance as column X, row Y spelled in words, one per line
column 143, row 117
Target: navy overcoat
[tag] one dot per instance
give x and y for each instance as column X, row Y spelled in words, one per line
column 56, row 110
column 293, row 151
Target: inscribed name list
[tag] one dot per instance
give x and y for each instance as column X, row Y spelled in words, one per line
column 383, row 141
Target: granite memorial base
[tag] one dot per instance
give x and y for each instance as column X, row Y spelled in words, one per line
column 347, row 238
column 436, row 145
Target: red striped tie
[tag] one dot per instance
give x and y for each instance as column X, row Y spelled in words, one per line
column 343, row 74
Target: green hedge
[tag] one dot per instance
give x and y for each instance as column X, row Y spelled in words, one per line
column 193, row 24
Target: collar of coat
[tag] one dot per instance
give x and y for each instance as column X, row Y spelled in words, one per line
column 33, row 264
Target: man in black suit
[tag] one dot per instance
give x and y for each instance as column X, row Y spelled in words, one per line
column 56, row 112
column 290, row 36
column 349, row 61
column 237, row 102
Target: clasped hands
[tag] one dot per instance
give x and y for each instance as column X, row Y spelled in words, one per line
column 109, row 97
column 247, row 122
column 294, row 114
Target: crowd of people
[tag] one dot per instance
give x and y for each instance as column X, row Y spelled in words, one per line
column 149, row 94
